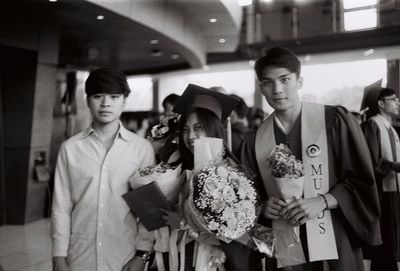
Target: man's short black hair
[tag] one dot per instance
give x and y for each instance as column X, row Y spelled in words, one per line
column 171, row 99
column 386, row 92
column 241, row 109
column 107, row 80
column 279, row 57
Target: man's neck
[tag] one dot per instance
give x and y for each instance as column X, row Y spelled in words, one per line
column 386, row 116
column 106, row 132
column 288, row 117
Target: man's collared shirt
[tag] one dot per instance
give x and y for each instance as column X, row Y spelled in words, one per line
column 91, row 223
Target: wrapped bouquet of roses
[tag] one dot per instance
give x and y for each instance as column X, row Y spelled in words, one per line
column 223, row 200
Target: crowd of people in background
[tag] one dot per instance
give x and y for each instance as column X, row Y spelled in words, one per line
column 349, row 207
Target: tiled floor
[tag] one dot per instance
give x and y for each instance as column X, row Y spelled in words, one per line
column 27, row 247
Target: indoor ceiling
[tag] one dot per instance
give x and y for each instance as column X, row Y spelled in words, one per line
column 153, row 36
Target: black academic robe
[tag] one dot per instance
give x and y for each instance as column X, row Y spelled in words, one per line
column 239, row 133
column 384, row 257
column 351, row 182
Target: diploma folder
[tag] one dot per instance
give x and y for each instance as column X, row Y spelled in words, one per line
column 145, row 202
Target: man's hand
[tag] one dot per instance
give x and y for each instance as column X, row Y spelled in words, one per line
column 272, row 208
column 302, row 210
column 60, row 264
column 136, row 264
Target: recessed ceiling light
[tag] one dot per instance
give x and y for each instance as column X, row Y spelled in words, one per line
column 100, row 17
column 222, row 40
column 213, row 20
column 156, row 53
column 53, row 1
column 369, row 52
column 175, row 56
column 154, row 41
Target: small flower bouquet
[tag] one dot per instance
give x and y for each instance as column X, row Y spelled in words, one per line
column 226, row 199
column 287, row 171
column 167, row 177
column 288, row 176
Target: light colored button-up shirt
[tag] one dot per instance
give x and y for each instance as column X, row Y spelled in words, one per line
column 91, row 223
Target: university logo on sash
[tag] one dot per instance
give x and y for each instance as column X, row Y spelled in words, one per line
column 320, row 234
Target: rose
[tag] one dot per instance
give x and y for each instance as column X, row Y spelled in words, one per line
column 228, row 194
column 228, row 214
column 213, row 226
column 211, row 184
column 222, row 172
column 217, row 205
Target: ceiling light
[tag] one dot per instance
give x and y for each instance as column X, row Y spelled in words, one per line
column 156, row 53
column 100, row 17
column 222, row 40
column 243, row 3
column 213, row 20
column 53, row 1
column 369, row 52
column 175, row 56
column 154, row 41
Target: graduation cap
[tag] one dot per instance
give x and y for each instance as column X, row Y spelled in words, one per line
column 371, row 94
column 196, row 96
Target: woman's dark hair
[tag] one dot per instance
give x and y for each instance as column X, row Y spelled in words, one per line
column 212, row 126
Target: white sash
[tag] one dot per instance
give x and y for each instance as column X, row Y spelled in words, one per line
column 389, row 182
column 320, row 234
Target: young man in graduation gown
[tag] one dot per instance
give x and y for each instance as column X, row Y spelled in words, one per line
column 384, row 146
column 339, row 210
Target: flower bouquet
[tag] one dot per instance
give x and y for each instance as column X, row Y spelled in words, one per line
column 287, row 171
column 223, row 201
column 288, row 176
column 226, row 199
column 167, row 177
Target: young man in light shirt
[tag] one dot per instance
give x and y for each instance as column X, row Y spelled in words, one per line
column 92, row 226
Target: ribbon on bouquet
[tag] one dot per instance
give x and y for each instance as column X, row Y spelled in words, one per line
column 320, row 234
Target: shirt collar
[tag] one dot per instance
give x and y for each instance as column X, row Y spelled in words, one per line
column 122, row 132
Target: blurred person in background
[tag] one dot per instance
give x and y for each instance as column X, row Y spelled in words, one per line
column 384, row 146
column 239, row 124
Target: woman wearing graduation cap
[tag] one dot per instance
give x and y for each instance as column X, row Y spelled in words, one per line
column 203, row 113
column 384, row 145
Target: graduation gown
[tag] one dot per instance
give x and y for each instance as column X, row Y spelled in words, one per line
column 384, row 257
column 351, row 182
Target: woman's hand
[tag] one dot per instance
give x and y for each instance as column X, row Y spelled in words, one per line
column 272, row 208
column 173, row 219
column 136, row 264
column 302, row 210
